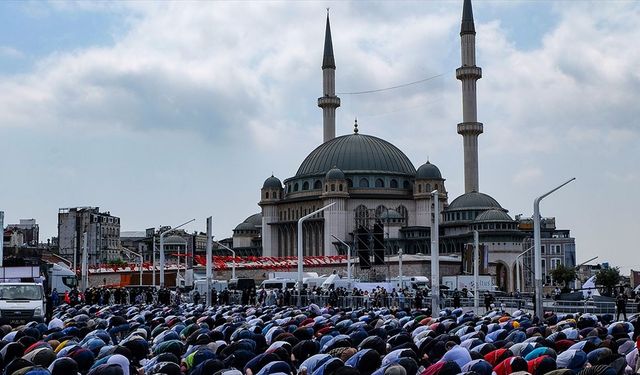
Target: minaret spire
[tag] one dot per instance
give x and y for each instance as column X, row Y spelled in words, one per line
column 468, row 74
column 329, row 101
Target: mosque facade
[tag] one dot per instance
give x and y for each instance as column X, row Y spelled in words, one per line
column 369, row 181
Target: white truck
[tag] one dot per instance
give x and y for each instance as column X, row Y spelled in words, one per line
column 21, row 303
column 411, row 282
column 485, row 282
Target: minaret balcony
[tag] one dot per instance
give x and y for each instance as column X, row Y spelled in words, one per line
column 466, row 72
column 471, row 128
column 329, row 101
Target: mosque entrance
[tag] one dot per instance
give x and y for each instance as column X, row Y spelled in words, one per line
column 502, row 276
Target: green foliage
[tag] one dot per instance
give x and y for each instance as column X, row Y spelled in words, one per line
column 564, row 275
column 608, row 278
column 117, row 262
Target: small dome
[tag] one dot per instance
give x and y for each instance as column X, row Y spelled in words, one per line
column 334, row 174
column 245, row 226
column 272, row 183
column 175, row 240
column 493, row 215
column 390, row 214
column 253, row 222
column 474, row 201
column 428, row 171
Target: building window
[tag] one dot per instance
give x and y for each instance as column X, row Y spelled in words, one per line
column 340, row 187
column 266, row 195
column 394, row 183
column 364, row 183
column 349, row 182
column 419, row 188
column 542, row 249
column 305, row 185
column 379, row 183
column 405, row 184
column 362, row 216
column 295, row 187
column 402, row 210
column 317, row 185
column 333, row 187
column 428, row 188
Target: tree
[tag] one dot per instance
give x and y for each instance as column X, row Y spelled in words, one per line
column 564, row 275
column 608, row 278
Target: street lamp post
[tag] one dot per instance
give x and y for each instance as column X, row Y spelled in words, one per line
column 518, row 260
column 153, row 271
column 141, row 260
column 476, row 266
column 209, row 263
column 233, row 254
column 300, row 250
column 400, row 268
column 162, row 249
column 435, row 256
column 348, row 259
column 84, row 268
column 538, row 247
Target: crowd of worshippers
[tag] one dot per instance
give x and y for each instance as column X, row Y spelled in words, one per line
column 191, row 339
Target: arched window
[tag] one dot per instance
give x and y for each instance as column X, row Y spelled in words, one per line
column 402, row 210
column 305, row 185
column 394, row 183
column 340, row 187
column 419, row 188
column 364, row 183
column 266, row 195
column 428, row 188
column 333, row 187
column 349, row 182
column 405, row 184
column 326, row 188
column 295, row 187
column 379, row 183
column 317, row 185
column 362, row 216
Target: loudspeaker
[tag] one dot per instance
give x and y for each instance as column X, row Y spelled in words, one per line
column 362, row 248
column 378, row 244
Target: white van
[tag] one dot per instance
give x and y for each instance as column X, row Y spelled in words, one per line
column 21, row 303
column 281, row 284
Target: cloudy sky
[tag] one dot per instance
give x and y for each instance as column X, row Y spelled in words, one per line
column 160, row 112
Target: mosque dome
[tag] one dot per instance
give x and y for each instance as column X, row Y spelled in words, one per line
column 356, row 153
column 474, row 201
column 493, row 215
column 334, row 174
column 253, row 222
column 272, row 183
column 428, row 171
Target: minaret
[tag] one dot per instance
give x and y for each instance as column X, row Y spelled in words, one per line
column 329, row 101
column 469, row 73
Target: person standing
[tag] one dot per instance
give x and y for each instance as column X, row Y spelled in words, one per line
column 621, row 306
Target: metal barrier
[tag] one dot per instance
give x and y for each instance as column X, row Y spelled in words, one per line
column 507, row 304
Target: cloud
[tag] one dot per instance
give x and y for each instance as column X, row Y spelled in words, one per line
column 527, row 175
column 10, row 53
column 245, row 78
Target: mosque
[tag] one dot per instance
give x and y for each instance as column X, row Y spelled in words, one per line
column 370, row 180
